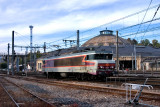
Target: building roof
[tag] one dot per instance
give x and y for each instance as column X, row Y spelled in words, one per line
column 127, row 50
column 124, row 50
column 106, row 38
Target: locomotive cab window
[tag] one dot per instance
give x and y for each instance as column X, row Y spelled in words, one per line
column 99, row 57
column 90, row 57
column 43, row 61
column 103, row 56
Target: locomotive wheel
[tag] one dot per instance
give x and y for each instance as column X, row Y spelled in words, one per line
column 82, row 77
column 89, row 78
column 78, row 77
column 63, row 75
column 93, row 77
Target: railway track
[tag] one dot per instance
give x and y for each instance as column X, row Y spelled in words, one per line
column 146, row 95
column 154, row 81
column 5, row 99
column 20, row 97
column 116, row 81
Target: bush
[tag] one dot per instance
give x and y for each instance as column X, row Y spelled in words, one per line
column 3, row 65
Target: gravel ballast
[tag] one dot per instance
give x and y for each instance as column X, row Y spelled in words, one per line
column 65, row 96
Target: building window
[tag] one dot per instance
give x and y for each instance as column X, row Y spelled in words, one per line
column 40, row 65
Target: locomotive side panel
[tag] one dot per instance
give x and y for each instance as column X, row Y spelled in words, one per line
column 92, row 69
column 68, row 64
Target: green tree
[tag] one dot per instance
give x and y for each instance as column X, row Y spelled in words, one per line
column 129, row 40
column 145, row 42
column 3, row 65
column 133, row 41
column 38, row 54
column 155, row 43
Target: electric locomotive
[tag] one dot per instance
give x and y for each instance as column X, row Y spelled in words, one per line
column 84, row 64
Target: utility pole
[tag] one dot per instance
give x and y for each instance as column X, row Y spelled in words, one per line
column 156, row 64
column 17, row 63
column 135, row 57
column 117, row 61
column 35, row 60
column 8, row 59
column 78, row 40
column 31, row 27
column 12, row 68
column 22, row 62
column 44, row 47
column 132, row 62
column 26, row 60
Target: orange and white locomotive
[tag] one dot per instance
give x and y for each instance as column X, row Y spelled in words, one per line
column 84, row 64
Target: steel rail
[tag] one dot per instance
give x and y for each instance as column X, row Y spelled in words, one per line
column 50, row 104
column 111, row 90
column 10, row 95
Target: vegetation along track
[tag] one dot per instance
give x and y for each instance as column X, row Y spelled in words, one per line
column 20, row 97
column 146, row 95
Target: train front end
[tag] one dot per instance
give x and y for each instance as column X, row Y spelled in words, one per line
column 104, row 64
column 105, row 68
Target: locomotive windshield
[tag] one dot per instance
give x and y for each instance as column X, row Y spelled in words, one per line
column 43, row 61
column 99, row 57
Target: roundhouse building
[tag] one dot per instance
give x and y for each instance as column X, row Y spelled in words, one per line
column 147, row 58
column 106, row 38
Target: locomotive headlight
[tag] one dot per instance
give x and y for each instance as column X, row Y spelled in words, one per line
column 100, row 67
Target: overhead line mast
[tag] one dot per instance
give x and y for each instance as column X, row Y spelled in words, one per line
column 12, row 67
column 31, row 27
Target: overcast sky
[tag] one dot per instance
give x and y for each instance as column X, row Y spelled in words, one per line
column 50, row 17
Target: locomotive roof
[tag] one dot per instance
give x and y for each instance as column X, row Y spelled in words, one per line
column 77, row 54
